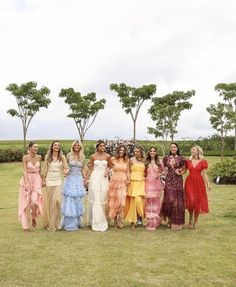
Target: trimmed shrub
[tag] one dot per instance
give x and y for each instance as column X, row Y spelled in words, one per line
column 8, row 155
column 225, row 172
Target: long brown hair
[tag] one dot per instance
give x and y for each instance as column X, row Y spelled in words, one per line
column 98, row 144
column 125, row 157
column 49, row 156
column 148, row 158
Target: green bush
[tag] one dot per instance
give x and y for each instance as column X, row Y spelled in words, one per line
column 224, row 172
column 16, row 153
column 7, row 155
column 42, row 151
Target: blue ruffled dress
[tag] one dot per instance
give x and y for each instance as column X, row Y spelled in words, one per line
column 73, row 192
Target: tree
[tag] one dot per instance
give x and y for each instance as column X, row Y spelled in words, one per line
column 132, row 99
column 84, row 109
column 220, row 115
column 166, row 111
column 228, row 92
column 29, row 101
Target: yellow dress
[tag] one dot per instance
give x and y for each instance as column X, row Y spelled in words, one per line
column 135, row 203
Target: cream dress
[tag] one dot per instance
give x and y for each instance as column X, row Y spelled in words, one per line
column 97, row 195
column 52, row 194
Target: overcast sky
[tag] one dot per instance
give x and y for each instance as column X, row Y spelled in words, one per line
column 175, row 44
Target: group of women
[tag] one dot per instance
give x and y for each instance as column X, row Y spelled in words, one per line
column 119, row 189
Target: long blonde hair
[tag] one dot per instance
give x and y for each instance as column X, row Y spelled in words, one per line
column 200, row 152
column 81, row 151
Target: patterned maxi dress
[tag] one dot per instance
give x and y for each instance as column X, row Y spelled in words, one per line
column 153, row 190
column 73, row 192
column 117, row 191
column 173, row 201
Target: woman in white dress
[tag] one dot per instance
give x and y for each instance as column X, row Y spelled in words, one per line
column 100, row 163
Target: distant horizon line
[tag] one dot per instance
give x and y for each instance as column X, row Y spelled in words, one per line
column 105, row 139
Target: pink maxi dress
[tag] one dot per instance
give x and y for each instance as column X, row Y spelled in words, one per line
column 153, row 190
column 31, row 197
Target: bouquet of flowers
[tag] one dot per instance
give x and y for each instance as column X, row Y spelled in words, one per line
column 111, row 146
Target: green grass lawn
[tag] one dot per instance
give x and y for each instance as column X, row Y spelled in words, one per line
column 203, row 257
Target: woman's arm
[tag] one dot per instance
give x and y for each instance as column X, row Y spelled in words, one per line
column 40, row 165
column 91, row 165
column 84, row 173
column 109, row 165
column 44, row 170
column 65, row 165
column 128, row 172
column 206, row 180
column 109, row 161
column 182, row 169
column 24, row 161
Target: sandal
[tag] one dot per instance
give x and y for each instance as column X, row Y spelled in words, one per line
column 190, row 225
column 34, row 222
column 168, row 225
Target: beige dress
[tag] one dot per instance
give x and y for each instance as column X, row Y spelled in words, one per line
column 52, row 194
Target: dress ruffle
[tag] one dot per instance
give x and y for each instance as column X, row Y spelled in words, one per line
column 73, row 192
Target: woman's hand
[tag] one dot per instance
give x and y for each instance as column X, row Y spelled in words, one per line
column 86, row 181
column 65, row 171
column 43, row 182
column 27, row 187
column 106, row 172
column 178, row 171
column 208, row 186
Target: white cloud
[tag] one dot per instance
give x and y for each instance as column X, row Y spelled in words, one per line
column 87, row 45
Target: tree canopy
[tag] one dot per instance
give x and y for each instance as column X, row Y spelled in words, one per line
column 165, row 112
column 29, row 101
column 228, row 92
column 84, row 109
column 133, row 98
column 220, row 115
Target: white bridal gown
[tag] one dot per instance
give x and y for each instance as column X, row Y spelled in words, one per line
column 97, row 194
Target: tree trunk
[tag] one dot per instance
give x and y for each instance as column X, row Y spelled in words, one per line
column 163, row 144
column 235, row 137
column 222, row 148
column 24, row 136
column 134, row 131
column 235, row 124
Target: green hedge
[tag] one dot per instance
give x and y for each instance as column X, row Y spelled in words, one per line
column 224, row 172
column 15, row 154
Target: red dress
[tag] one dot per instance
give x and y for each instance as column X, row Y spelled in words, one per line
column 195, row 190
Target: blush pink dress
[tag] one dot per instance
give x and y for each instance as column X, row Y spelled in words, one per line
column 33, row 196
column 117, row 191
column 153, row 190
